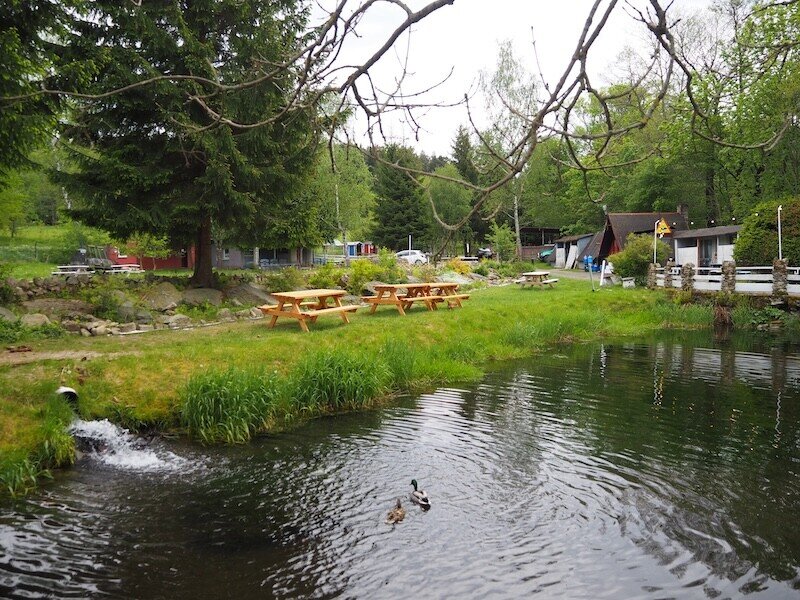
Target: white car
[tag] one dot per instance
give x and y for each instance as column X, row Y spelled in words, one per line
column 412, row 257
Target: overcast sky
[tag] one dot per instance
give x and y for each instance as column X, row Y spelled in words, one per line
column 465, row 37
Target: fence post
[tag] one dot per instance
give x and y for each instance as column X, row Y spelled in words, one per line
column 651, row 276
column 687, row 278
column 779, row 279
column 668, row 274
column 728, row 277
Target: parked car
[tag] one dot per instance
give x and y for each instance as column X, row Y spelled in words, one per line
column 412, row 257
column 485, row 253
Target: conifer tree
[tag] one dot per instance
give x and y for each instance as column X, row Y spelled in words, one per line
column 153, row 159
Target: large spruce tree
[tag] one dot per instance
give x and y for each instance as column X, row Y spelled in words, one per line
column 155, row 159
column 400, row 209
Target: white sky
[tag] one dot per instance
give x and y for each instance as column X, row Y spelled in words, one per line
column 465, row 37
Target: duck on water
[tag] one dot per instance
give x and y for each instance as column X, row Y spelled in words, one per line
column 419, row 496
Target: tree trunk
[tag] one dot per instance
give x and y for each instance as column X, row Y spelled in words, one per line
column 517, row 236
column 203, row 273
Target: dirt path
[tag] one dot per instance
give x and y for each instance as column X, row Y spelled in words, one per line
column 22, row 358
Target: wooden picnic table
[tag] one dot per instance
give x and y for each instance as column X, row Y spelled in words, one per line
column 538, row 278
column 428, row 293
column 73, row 270
column 307, row 305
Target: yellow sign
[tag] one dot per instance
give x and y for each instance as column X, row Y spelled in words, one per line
column 662, row 227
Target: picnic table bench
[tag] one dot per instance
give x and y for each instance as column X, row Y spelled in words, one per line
column 537, row 278
column 307, row 305
column 431, row 294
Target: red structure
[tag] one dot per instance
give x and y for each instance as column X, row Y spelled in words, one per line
column 183, row 259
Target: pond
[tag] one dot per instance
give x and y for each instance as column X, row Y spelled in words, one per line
column 665, row 468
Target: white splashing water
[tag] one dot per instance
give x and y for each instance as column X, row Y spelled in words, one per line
column 118, row 447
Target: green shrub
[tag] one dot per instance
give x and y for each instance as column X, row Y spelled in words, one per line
column 757, row 242
column 361, row 272
column 7, row 295
column 503, row 241
column 637, row 256
column 16, row 332
column 285, row 280
column 199, row 312
column 339, row 379
column 230, row 405
column 10, row 331
column 390, row 270
column 327, row 276
column 425, row 273
column 106, row 304
column 458, row 266
column 482, row 269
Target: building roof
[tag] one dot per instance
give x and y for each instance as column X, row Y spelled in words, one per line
column 708, row 231
column 623, row 224
column 573, row 238
column 593, row 247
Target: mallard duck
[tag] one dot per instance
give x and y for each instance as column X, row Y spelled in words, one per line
column 397, row 514
column 419, row 496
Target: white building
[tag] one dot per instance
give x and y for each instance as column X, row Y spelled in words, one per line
column 704, row 247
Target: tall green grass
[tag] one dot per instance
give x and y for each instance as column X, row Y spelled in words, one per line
column 233, row 405
column 228, row 406
column 339, row 379
column 19, row 471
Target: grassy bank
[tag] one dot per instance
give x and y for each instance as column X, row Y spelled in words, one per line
column 229, row 382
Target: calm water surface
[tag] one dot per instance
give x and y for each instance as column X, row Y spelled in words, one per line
column 667, row 469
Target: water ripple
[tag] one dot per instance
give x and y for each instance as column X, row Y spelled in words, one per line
column 604, row 472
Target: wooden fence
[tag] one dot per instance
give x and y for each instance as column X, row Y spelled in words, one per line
column 753, row 281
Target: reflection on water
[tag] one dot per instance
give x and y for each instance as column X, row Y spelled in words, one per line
column 668, row 469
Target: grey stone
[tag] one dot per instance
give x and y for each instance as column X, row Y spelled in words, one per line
column 35, row 320
column 453, row 277
column 86, row 333
column 176, row 321
column 200, row 296
column 127, row 312
column 100, row 330
column 144, row 316
column 687, row 277
column 7, row 315
column 58, row 306
column 248, row 293
column 256, row 313
column 127, row 327
column 161, row 296
column 144, row 327
column 370, row 287
column 71, row 326
column 225, row 314
column 244, row 314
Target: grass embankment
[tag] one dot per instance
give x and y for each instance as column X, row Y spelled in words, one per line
column 229, row 382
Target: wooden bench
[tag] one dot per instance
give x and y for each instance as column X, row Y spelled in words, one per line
column 549, row 281
column 331, row 309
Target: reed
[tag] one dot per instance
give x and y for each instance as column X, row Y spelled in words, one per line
column 228, row 406
column 400, row 359
column 338, row 379
column 18, row 474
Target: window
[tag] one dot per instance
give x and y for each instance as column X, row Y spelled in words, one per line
column 226, row 254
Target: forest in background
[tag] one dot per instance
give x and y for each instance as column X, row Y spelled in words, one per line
column 727, row 146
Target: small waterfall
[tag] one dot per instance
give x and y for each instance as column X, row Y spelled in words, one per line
column 114, row 446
